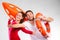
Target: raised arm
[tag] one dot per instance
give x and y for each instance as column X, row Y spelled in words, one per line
column 44, row 18
column 17, row 26
column 13, row 24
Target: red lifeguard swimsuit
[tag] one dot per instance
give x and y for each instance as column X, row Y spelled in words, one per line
column 13, row 32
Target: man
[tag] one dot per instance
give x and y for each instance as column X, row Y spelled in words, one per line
column 30, row 25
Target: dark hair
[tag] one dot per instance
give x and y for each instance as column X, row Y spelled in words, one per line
column 23, row 15
column 29, row 11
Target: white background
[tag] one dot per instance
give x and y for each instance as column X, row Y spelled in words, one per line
column 46, row 7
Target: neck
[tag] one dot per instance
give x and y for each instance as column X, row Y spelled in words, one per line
column 32, row 22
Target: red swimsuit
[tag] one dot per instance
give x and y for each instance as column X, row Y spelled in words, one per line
column 13, row 32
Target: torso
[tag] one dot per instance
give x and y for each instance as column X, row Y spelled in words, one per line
column 13, row 32
column 37, row 35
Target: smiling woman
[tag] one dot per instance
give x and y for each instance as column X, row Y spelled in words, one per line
column 16, row 25
column 15, row 21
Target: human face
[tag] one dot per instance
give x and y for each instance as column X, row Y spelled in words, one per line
column 30, row 15
column 19, row 16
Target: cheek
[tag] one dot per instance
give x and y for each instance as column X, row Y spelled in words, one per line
column 20, row 16
column 28, row 16
column 32, row 15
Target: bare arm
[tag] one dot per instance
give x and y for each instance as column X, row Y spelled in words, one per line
column 48, row 19
column 17, row 26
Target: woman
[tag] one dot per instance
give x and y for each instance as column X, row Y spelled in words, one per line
column 15, row 25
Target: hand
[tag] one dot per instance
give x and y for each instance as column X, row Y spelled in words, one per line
column 46, row 36
column 33, row 33
column 49, row 19
column 11, row 17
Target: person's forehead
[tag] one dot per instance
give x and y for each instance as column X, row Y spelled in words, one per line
column 29, row 13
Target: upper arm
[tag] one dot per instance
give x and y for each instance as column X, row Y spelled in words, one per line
column 13, row 24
